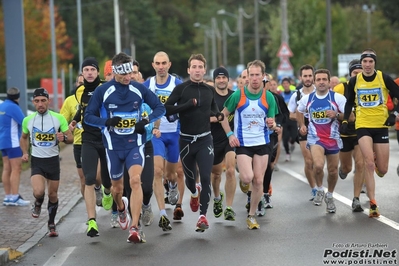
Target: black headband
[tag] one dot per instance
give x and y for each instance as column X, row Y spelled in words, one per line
column 368, row 55
column 353, row 67
column 13, row 96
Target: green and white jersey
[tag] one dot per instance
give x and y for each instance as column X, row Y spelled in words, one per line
column 42, row 129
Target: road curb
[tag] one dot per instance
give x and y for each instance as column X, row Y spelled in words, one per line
column 7, row 254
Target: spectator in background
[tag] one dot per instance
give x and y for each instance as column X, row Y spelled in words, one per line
column 11, row 117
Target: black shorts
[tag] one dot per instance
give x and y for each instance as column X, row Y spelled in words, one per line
column 349, row 143
column 378, row 135
column 47, row 167
column 220, row 150
column 302, row 137
column 254, row 150
column 77, row 154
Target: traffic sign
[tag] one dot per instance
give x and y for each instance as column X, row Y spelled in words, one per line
column 284, row 51
column 285, row 64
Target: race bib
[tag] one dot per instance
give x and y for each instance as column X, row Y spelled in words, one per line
column 127, row 123
column 44, row 139
column 369, row 98
column 320, row 116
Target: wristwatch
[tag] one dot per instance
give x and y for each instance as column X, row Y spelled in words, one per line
column 337, row 115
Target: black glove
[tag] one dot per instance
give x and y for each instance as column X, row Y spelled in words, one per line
column 344, row 127
column 219, row 116
column 139, row 128
column 172, row 118
column 111, row 122
column 390, row 120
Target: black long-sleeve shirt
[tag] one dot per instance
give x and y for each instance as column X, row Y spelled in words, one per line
column 194, row 120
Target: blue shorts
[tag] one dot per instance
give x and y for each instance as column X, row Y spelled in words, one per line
column 167, row 146
column 12, row 153
column 117, row 160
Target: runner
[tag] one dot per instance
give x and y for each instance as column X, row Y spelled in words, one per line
column 254, row 109
column 44, row 129
column 306, row 75
column 194, row 101
column 369, row 90
column 166, row 148
column 224, row 153
column 324, row 107
column 117, row 107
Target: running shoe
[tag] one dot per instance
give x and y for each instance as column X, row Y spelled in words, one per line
column 173, row 196
column 313, row 193
column 288, row 157
column 6, row 201
column 356, row 206
column 261, row 211
column 244, row 187
column 268, row 201
column 275, row 168
column 373, row 211
column 218, row 206
column 99, row 196
column 341, row 174
column 114, row 220
column 164, row 223
column 36, row 210
column 134, row 235
column 19, row 201
column 106, row 200
column 148, row 216
column 319, row 198
column 178, row 212
column 194, row 201
column 229, row 214
column 202, row 224
column 92, row 229
column 52, row 231
column 330, row 208
column 124, row 217
column 252, row 223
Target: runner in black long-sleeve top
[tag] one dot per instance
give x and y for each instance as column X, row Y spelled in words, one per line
column 195, row 104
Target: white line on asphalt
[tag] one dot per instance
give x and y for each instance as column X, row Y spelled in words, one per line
column 60, row 256
column 345, row 200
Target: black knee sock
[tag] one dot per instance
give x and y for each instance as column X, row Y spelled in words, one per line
column 52, row 211
column 39, row 201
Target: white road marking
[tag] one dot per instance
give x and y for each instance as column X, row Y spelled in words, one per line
column 60, row 256
column 345, row 200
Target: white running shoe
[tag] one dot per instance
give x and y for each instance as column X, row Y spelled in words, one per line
column 124, row 217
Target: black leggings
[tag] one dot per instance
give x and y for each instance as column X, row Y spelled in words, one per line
column 147, row 177
column 199, row 152
column 272, row 156
column 91, row 152
column 290, row 131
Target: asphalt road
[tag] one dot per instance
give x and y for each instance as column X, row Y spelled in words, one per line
column 294, row 232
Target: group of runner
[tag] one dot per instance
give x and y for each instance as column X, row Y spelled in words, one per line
column 133, row 139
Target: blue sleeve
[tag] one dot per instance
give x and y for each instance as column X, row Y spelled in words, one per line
column 17, row 114
column 93, row 108
column 158, row 109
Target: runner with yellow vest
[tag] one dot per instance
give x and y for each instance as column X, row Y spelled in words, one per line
column 369, row 90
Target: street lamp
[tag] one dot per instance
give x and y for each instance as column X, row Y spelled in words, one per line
column 368, row 9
